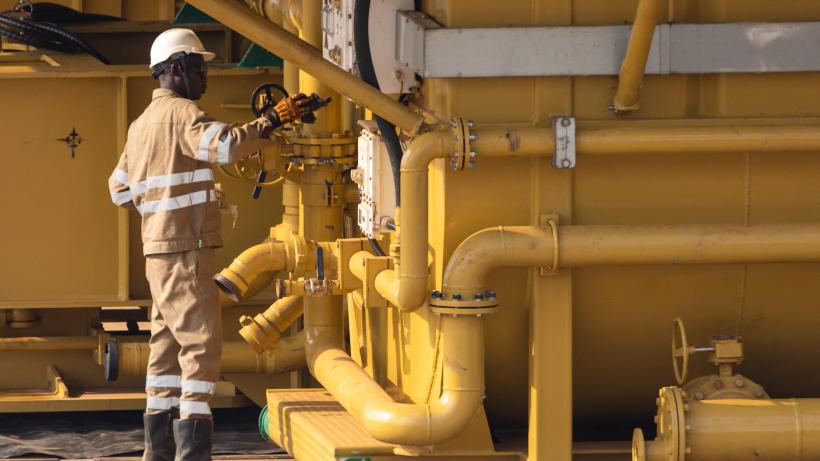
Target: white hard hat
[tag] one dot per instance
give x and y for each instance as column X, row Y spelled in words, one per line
column 175, row 40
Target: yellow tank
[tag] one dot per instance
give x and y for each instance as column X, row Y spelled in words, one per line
column 559, row 210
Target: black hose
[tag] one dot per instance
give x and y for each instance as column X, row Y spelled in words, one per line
column 361, row 43
column 376, row 248
column 43, row 36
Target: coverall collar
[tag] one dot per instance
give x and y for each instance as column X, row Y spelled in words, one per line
column 163, row 92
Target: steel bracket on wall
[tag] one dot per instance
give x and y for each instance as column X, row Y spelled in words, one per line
column 564, row 142
column 437, row 52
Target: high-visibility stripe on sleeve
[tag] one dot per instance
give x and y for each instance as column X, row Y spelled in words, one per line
column 192, row 386
column 192, row 407
column 163, row 381
column 120, row 175
column 121, row 198
column 173, row 179
column 161, row 403
column 205, row 140
column 223, row 153
column 174, row 203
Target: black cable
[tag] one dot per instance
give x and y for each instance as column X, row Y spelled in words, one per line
column 376, row 248
column 361, row 43
column 47, row 37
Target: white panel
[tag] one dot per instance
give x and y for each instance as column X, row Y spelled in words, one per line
column 529, row 51
column 745, row 47
column 544, row 51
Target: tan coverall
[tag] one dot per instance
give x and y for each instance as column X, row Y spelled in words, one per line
column 165, row 174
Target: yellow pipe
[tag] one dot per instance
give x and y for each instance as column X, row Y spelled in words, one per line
column 740, row 430
column 503, row 142
column 328, row 120
column 525, row 246
column 263, row 330
column 50, row 343
column 383, row 418
column 287, row 355
column 277, row 40
column 408, row 289
column 637, row 53
column 252, row 270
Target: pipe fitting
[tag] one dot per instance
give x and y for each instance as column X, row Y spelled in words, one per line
column 263, row 330
column 252, row 271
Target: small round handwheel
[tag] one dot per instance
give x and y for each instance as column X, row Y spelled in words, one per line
column 262, row 99
column 681, row 352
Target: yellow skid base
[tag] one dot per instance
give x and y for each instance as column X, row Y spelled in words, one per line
column 312, row 426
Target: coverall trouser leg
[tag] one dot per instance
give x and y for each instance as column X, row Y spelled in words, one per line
column 186, row 333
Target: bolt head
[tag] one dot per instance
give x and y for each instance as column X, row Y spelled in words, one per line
column 437, row 295
column 698, row 395
column 490, row 294
column 479, row 296
column 566, row 122
column 566, row 163
column 457, row 296
column 454, row 164
column 718, row 384
column 471, row 123
column 739, row 382
column 759, row 392
column 453, row 123
column 473, row 154
column 473, row 137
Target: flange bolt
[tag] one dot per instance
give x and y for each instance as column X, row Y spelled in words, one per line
column 456, row 297
column 479, row 296
column 437, row 295
column 490, row 294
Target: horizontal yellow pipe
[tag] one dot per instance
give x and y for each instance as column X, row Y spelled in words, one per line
column 526, row 246
column 49, row 343
column 252, row 270
column 287, row 355
column 385, row 419
column 637, row 53
column 263, row 330
column 278, row 41
column 494, row 142
column 744, row 430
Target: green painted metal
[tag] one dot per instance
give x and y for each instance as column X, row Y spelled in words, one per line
column 256, row 56
column 188, row 14
column 264, row 423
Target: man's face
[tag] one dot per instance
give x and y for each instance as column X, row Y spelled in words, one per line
column 197, row 73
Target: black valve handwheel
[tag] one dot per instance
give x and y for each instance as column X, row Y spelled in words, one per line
column 262, row 99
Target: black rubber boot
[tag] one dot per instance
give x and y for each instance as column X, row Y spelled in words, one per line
column 194, row 438
column 159, row 436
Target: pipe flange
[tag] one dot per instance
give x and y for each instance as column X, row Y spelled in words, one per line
column 483, row 303
column 671, row 423
column 716, row 387
column 461, row 141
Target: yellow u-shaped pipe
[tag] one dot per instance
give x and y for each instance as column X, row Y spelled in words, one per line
column 383, row 418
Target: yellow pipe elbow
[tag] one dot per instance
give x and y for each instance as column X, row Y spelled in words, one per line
column 487, row 249
column 263, row 330
column 252, row 270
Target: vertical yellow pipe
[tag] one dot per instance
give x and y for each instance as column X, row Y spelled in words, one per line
column 637, row 53
column 328, row 120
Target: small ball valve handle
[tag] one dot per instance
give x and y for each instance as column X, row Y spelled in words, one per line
column 681, row 352
column 257, row 189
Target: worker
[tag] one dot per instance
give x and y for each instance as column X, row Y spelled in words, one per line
column 165, row 174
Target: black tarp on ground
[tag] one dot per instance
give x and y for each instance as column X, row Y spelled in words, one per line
column 101, row 434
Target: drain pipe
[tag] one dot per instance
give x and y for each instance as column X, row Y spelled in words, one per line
column 637, row 53
column 264, row 330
